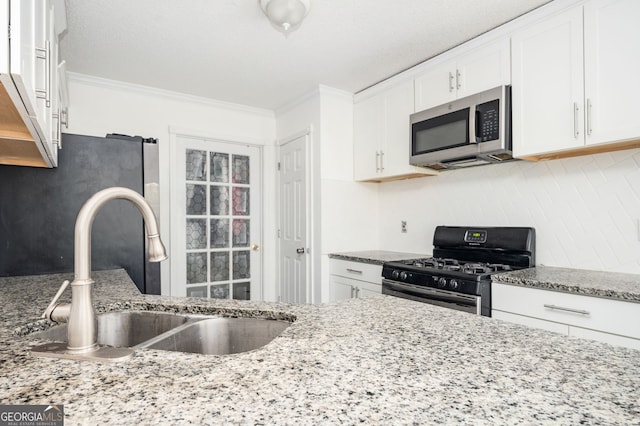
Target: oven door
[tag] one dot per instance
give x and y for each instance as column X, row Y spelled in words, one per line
column 433, row 296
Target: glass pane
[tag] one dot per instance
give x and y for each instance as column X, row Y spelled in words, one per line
column 240, row 169
column 220, row 200
column 196, row 268
column 220, row 266
column 242, row 291
column 196, row 164
column 196, row 233
column 196, row 291
column 241, row 233
column 241, row 201
column 241, row 264
column 220, row 291
column 219, row 233
column 219, row 167
column 196, row 199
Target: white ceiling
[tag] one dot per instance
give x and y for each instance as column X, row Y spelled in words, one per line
column 227, row 50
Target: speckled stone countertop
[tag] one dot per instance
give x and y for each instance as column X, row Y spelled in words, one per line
column 609, row 285
column 378, row 360
column 376, row 257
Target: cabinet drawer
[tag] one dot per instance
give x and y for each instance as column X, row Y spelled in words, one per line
column 611, row 316
column 356, row 270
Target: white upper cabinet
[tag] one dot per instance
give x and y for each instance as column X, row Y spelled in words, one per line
column 548, row 85
column 612, row 69
column 482, row 68
column 574, row 81
column 382, row 136
column 28, row 76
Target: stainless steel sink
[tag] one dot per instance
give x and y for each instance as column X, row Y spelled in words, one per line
column 219, row 336
column 124, row 329
column 176, row 332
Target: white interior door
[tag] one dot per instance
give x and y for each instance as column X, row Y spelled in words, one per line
column 215, row 220
column 294, row 281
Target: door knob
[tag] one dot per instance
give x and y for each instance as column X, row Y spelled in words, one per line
column 300, row 250
column 255, row 247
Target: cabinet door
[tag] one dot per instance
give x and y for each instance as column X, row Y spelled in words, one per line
column 341, row 288
column 369, row 289
column 612, row 67
column 484, row 69
column 397, row 135
column 4, row 37
column 436, row 86
column 531, row 322
column 368, row 128
column 548, row 85
column 612, row 339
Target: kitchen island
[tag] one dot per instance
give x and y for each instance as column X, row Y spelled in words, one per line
column 378, row 360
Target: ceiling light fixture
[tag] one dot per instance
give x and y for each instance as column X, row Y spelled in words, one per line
column 285, row 15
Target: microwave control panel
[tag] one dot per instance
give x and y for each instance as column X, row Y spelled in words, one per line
column 487, row 121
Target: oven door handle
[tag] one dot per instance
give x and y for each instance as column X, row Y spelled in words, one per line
column 428, row 291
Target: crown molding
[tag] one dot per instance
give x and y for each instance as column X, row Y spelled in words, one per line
column 166, row 94
column 321, row 90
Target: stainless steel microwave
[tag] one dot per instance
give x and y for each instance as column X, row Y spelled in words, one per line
column 470, row 131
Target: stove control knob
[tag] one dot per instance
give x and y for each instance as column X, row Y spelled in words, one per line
column 395, row 274
column 453, row 284
column 442, row 282
column 403, row 275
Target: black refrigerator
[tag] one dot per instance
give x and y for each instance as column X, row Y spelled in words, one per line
column 38, row 209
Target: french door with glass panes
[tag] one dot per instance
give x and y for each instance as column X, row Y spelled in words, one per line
column 215, row 220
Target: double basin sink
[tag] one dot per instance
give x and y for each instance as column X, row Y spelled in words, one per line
column 178, row 332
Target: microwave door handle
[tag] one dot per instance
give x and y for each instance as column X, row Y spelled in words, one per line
column 473, row 124
column 478, row 126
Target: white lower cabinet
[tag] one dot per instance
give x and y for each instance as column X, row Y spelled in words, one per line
column 611, row 321
column 349, row 280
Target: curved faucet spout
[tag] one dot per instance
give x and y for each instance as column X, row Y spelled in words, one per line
column 84, row 221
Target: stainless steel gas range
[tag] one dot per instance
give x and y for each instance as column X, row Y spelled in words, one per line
column 458, row 275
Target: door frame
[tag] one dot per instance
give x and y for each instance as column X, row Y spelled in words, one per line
column 176, row 133
column 307, row 133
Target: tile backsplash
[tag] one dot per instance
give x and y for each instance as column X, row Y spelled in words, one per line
column 586, row 210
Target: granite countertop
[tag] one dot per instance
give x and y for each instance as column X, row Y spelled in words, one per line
column 611, row 285
column 378, row 360
column 376, row 257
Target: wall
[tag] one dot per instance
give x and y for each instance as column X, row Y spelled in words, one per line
column 585, row 209
column 99, row 106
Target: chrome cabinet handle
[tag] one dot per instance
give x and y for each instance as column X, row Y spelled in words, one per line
column 354, row 271
column 357, row 292
column 381, row 161
column 46, row 55
column 352, row 291
column 458, row 79
column 55, row 138
column 576, row 131
column 377, row 161
column 560, row 308
column 589, row 130
column 451, row 86
column 64, row 117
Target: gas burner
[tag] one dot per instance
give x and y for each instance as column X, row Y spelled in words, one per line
column 499, row 267
column 476, row 268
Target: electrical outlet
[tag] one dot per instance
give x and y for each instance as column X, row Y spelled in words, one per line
column 403, row 226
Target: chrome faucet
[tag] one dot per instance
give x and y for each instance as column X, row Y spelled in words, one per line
column 82, row 330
